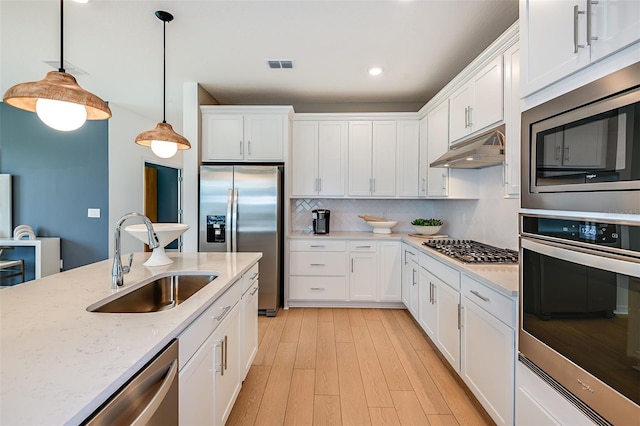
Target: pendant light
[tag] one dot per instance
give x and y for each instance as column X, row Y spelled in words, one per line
column 163, row 140
column 58, row 99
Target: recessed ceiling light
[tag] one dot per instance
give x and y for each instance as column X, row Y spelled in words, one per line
column 375, row 71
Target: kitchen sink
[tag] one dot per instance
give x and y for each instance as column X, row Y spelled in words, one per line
column 159, row 294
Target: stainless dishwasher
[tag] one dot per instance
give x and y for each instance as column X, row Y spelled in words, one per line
column 149, row 398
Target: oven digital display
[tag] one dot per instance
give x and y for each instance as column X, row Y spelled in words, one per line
column 588, row 232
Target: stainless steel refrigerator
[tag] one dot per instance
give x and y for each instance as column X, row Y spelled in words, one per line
column 241, row 211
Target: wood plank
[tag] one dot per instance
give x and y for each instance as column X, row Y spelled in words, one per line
column 325, row 314
column 415, row 335
column 300, row 404
column 353, row 403
column 246, row 407
column 263, row 326
column 393, row 371
column 388, row 318
column 291, row 331
column 274, row 401
column 306, row 355
column 326, row 363
column 356, row 318
column 430, row 398
column 383, row 416
column 370, row 314
column 408, row 408
column 459, row 402
column 342, row 325
column 442, row 420
column 375, row 385
column 269, row 345
column 326, row 410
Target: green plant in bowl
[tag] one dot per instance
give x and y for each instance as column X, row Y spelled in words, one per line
column 427, row 226
column 426, row 222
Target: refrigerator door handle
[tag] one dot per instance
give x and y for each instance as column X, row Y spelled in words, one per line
column 228, row 219
column 234, row 222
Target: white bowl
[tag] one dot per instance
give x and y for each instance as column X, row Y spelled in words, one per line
column 166, row 232
column 382, row 227
column 427, row 230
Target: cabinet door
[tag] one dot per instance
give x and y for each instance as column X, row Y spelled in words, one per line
column 512, row 121
column 428, row 314
column 448, row 306
column 304, row 161
column 249, row 328
column 332, row 158
column 360, row 139
column 615, row 25
column 414, row 297
column 488, row 357
column 408, row 158
column 437, row 144
column 423, row 172
column 222, row 137
column 459, row 104
column 227, row 363
column 363, row 276
column 196, row 388
column 389, row 274
column 407, row 273
column 487, row 107
column 549, row 44
column 384, row 159
column 263, row 137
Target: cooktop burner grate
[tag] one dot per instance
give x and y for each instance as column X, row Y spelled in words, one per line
column 469, row 251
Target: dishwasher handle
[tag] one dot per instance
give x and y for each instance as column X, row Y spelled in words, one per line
column 158, row 398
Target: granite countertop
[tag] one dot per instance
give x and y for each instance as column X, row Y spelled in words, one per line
column 504, row 278
column 59, row 362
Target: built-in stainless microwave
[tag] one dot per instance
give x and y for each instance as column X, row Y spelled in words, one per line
column 581, row 151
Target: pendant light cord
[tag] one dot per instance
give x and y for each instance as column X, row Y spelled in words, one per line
column 61, row 69
column 164, row 72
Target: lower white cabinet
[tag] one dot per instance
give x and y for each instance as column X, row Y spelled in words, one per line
column 195, row 386
column 409, row 286
column 249, row 314
column 389, row 271
column 363, row 274
column 227, row 364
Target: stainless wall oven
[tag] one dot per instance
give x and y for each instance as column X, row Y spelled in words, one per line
column 580, row 310
column 581, row 151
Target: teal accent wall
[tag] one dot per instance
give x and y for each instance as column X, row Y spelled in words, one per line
column 57, row 176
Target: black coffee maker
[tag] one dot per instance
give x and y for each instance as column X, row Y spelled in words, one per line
column 320, row 221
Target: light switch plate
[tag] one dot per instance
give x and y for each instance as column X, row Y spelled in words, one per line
column 93, row 213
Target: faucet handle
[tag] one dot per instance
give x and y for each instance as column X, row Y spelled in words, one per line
column 126, row 269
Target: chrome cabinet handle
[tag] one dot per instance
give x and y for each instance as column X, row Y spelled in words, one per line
column 424, row 184
column 566, row 154
column 466, row 121
column 226, row 355
column 317, row 264
column 413, row 276
column 224, row 312
column 576, row 12
column 241, row 148
column 315, row 185
column 319, row 184
column 222, row 355
column 254, row 276
column 590, row 37
column 316, row 246
column 374, row 186
column 317, row 288
column 475, row 293
column 254, row 290
column 459, row 316
column 363, row 246
column 352, row 264
column 249, row 148
column 444, row 181
column 470, row 116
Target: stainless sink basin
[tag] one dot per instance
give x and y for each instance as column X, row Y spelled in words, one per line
column 159, row 294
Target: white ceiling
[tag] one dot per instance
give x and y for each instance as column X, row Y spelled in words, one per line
column 224, row 45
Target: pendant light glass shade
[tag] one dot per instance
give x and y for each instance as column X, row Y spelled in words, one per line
column 163, row 140
column 58, row 98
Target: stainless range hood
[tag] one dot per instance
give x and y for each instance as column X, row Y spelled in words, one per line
column 484, row 150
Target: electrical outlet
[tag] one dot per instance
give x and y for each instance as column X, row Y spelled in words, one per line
column 93, row 212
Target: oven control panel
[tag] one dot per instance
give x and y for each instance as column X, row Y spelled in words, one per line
column 603, row 234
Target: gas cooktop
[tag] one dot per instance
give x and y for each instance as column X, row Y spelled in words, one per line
column 469, row 251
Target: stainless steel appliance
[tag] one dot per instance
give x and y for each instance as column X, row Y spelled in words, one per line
column 150, row 398
column 581, row 151
column 469, row 251
column 580, row 311
column 241, row 211
column 321, row 219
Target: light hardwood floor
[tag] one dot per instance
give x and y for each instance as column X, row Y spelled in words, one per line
column 350, row 367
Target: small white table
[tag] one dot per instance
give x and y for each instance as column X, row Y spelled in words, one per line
column 47, row 253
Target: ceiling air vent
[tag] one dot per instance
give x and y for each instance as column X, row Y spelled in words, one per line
column 280, row 63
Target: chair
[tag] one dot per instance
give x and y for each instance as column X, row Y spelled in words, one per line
column 11, row 268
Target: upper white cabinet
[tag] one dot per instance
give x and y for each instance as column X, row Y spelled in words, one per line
column 372, row 158
column 244, row 133
column 478, row 103
column 408, row 158
column 562, row 37
column 318, row 158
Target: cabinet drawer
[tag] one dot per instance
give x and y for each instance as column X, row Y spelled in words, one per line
column 317, row 245
column 191, row 338
column 362, row 246
column 318, row 288
column 498, row 305
column 324, row 264
column 446, row 273
column 249, row 278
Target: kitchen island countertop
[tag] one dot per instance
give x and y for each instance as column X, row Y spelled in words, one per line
column 59, row 362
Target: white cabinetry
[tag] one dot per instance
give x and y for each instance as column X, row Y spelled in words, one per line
column 372, row 158
column 512, row 121
column 408, row 158
column 244, row 133
column 227, row 365
column 410, row 284
column 562, row 37
column 389, row 271
column 249, row 319
column 318, row 158
column 195, row 385
column 478, row 103
column 317, row 270
column 363, row 278
column 488, row 348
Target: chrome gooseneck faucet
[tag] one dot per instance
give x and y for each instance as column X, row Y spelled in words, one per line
column 118, row 270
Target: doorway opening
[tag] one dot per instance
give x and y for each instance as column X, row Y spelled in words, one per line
column 162, row 198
